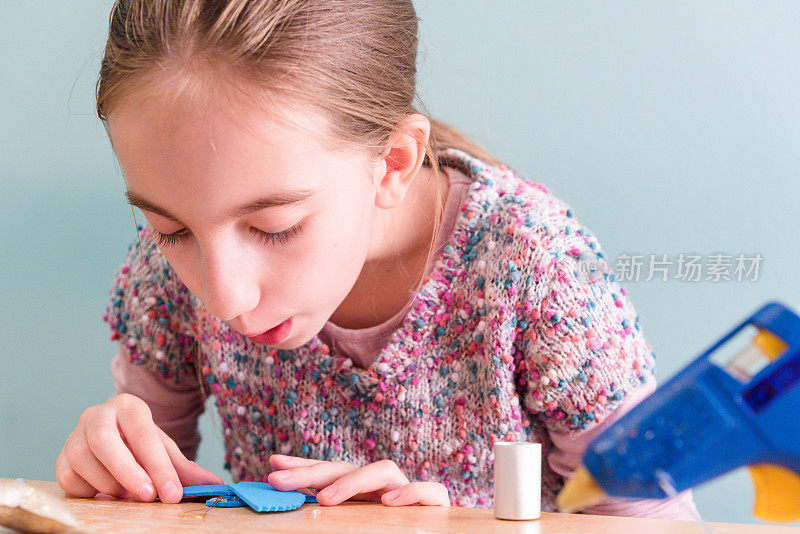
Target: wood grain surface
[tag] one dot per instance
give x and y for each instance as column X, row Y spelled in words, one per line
column 108, row 515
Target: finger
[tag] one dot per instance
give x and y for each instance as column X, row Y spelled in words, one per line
column 425, row 493
column 70, row 481
column 318, row 475
column 281, row 461
column 189, row 472
column 378, row 476
column 107, row 446
column 145, row 443
column 84, row 462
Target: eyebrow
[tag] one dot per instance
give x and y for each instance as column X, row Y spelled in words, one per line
column 281, row 198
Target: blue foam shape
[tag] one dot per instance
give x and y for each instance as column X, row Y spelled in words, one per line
column 208, row 490
column 262, row 498
column 226, row 501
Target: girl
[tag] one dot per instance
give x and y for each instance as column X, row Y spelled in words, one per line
column 372, row 299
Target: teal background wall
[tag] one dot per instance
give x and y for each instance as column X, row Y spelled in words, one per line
column 671, row 127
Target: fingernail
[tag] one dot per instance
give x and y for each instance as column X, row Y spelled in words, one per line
column 171, row 492
column 391, row 495
column 146, row 492
column 328, row 493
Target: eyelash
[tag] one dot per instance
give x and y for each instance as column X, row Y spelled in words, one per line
column 168, row 240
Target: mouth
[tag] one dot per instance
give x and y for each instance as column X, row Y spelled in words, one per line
column 275, row 335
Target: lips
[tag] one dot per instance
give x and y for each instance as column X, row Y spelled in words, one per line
column 276, row 335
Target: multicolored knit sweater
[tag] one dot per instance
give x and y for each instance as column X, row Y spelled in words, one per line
column 520, row 332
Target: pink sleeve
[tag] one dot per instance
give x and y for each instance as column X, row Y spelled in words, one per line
column 175, row 407
column 567, row 452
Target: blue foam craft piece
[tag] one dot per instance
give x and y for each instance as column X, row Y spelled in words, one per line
column 235, row 502
column 226, row 501
column 260, row 496
column 208, row 490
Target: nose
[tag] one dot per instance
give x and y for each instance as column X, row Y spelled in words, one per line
column 230, row 283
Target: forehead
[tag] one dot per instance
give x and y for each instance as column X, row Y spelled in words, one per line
column 198, row 159
column 164, row 124
column 162, row 135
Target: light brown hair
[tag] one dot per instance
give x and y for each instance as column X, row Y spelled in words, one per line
column 353, row 60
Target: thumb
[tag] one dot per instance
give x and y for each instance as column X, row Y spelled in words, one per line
column 188, row 471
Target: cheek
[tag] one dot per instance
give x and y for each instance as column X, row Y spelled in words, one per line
column 331, row 255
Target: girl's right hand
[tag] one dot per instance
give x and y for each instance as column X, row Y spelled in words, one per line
column 117, row 449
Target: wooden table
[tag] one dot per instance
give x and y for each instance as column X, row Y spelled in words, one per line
column 107, row 515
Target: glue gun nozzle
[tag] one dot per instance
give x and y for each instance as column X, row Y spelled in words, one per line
column 580, row 491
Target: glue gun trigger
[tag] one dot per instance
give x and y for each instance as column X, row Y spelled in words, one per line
column 777, row 492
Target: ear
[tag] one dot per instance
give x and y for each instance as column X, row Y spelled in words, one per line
column 402, row 160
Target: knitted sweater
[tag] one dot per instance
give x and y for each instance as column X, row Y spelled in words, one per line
column 520, row 332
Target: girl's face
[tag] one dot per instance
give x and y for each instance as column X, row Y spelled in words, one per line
column 259, row 220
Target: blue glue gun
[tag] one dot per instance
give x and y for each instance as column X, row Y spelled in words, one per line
column 738, row 404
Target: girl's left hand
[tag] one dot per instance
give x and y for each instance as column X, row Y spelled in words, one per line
column 339, row 481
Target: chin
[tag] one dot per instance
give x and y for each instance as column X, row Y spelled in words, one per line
column 290, row 344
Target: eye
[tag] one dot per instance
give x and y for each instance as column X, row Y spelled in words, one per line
column 168, row 240
column 275, row 238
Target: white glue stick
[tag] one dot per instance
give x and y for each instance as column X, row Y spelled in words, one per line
column 517, row 480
